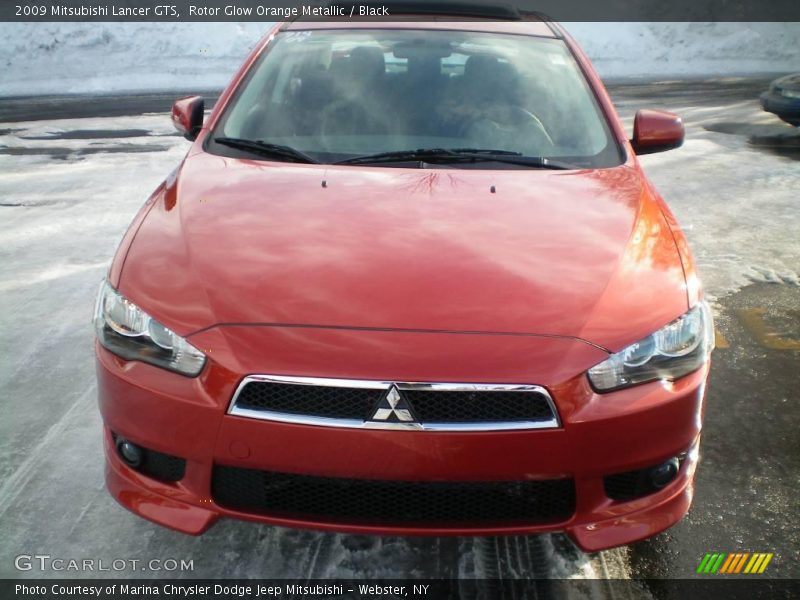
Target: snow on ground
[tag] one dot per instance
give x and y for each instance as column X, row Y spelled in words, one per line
column 734, row 188
column 660, row 50
column 88, row 58
column 92, row 58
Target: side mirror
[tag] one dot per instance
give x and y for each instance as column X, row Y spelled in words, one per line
column 656, row 131
column 187, row 116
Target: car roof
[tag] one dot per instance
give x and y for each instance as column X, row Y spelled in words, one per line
column 488, row 16
column 529, row 26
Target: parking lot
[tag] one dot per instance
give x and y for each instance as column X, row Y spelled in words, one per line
column 73, row 172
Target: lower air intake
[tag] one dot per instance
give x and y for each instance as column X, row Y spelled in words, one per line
column 330, row 499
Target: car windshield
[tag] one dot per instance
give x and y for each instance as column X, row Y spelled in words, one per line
column 336, row 95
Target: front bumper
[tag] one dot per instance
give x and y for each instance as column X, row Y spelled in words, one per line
column 600, row 435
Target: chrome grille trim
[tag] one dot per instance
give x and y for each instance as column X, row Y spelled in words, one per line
column 266, row 415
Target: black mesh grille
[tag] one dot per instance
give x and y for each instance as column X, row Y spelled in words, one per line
column 627, row 486
column 316, row 400
column 163, row 466
column 159, row 466
column 393, row 502
column 632, row 484
column 430, row 406
column 434, row 406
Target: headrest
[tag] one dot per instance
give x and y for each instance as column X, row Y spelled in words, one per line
column 367, row 61
column 480, row 65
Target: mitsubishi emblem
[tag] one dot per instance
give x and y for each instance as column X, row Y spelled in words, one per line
column 393, row 408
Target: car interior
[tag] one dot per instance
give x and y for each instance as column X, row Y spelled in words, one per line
column 366, row 95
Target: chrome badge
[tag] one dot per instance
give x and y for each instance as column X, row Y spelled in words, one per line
column 393, row 408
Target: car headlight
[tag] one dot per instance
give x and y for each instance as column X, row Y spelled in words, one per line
column 127, row 331
column 790, row 93
column 671, row 352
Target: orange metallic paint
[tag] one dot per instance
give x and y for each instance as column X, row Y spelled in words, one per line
column 549, row 253
column 657, row 130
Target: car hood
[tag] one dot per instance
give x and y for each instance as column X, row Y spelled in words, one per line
column 788, row 82
column 582, row 254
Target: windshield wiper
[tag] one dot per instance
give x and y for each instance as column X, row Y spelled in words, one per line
column 266, row 149
column 457, row 155
column 423, row 154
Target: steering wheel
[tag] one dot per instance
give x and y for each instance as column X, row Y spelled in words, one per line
column 516, row 127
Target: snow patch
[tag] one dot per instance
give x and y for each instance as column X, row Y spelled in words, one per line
column 97, row 58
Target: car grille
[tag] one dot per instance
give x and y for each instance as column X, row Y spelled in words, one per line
column 314, row 400
column 330, row 499
column 433, row 405
column 159, row 466
column 163, row 467
column 627, row 486
column 479, row 407
column 631, row 485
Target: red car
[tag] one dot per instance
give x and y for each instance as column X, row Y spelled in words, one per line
column 409, row 279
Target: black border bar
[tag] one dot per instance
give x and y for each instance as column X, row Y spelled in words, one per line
column 709, row 588
column 281, row 10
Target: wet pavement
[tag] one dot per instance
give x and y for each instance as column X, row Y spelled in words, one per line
column 73, row 171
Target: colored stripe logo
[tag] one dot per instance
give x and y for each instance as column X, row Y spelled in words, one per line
column 721, row 563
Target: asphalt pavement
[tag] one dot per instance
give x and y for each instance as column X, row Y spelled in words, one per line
column 73, row 171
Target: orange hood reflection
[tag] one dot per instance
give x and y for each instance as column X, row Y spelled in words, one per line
column 584, row 254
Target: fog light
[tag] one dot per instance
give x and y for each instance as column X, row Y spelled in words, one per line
column 664, row 473
column 130, row 452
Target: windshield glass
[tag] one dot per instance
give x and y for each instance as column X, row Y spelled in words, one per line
column 338, row 94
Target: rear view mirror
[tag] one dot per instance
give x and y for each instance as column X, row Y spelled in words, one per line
column 187, row 116
column 656, row 131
